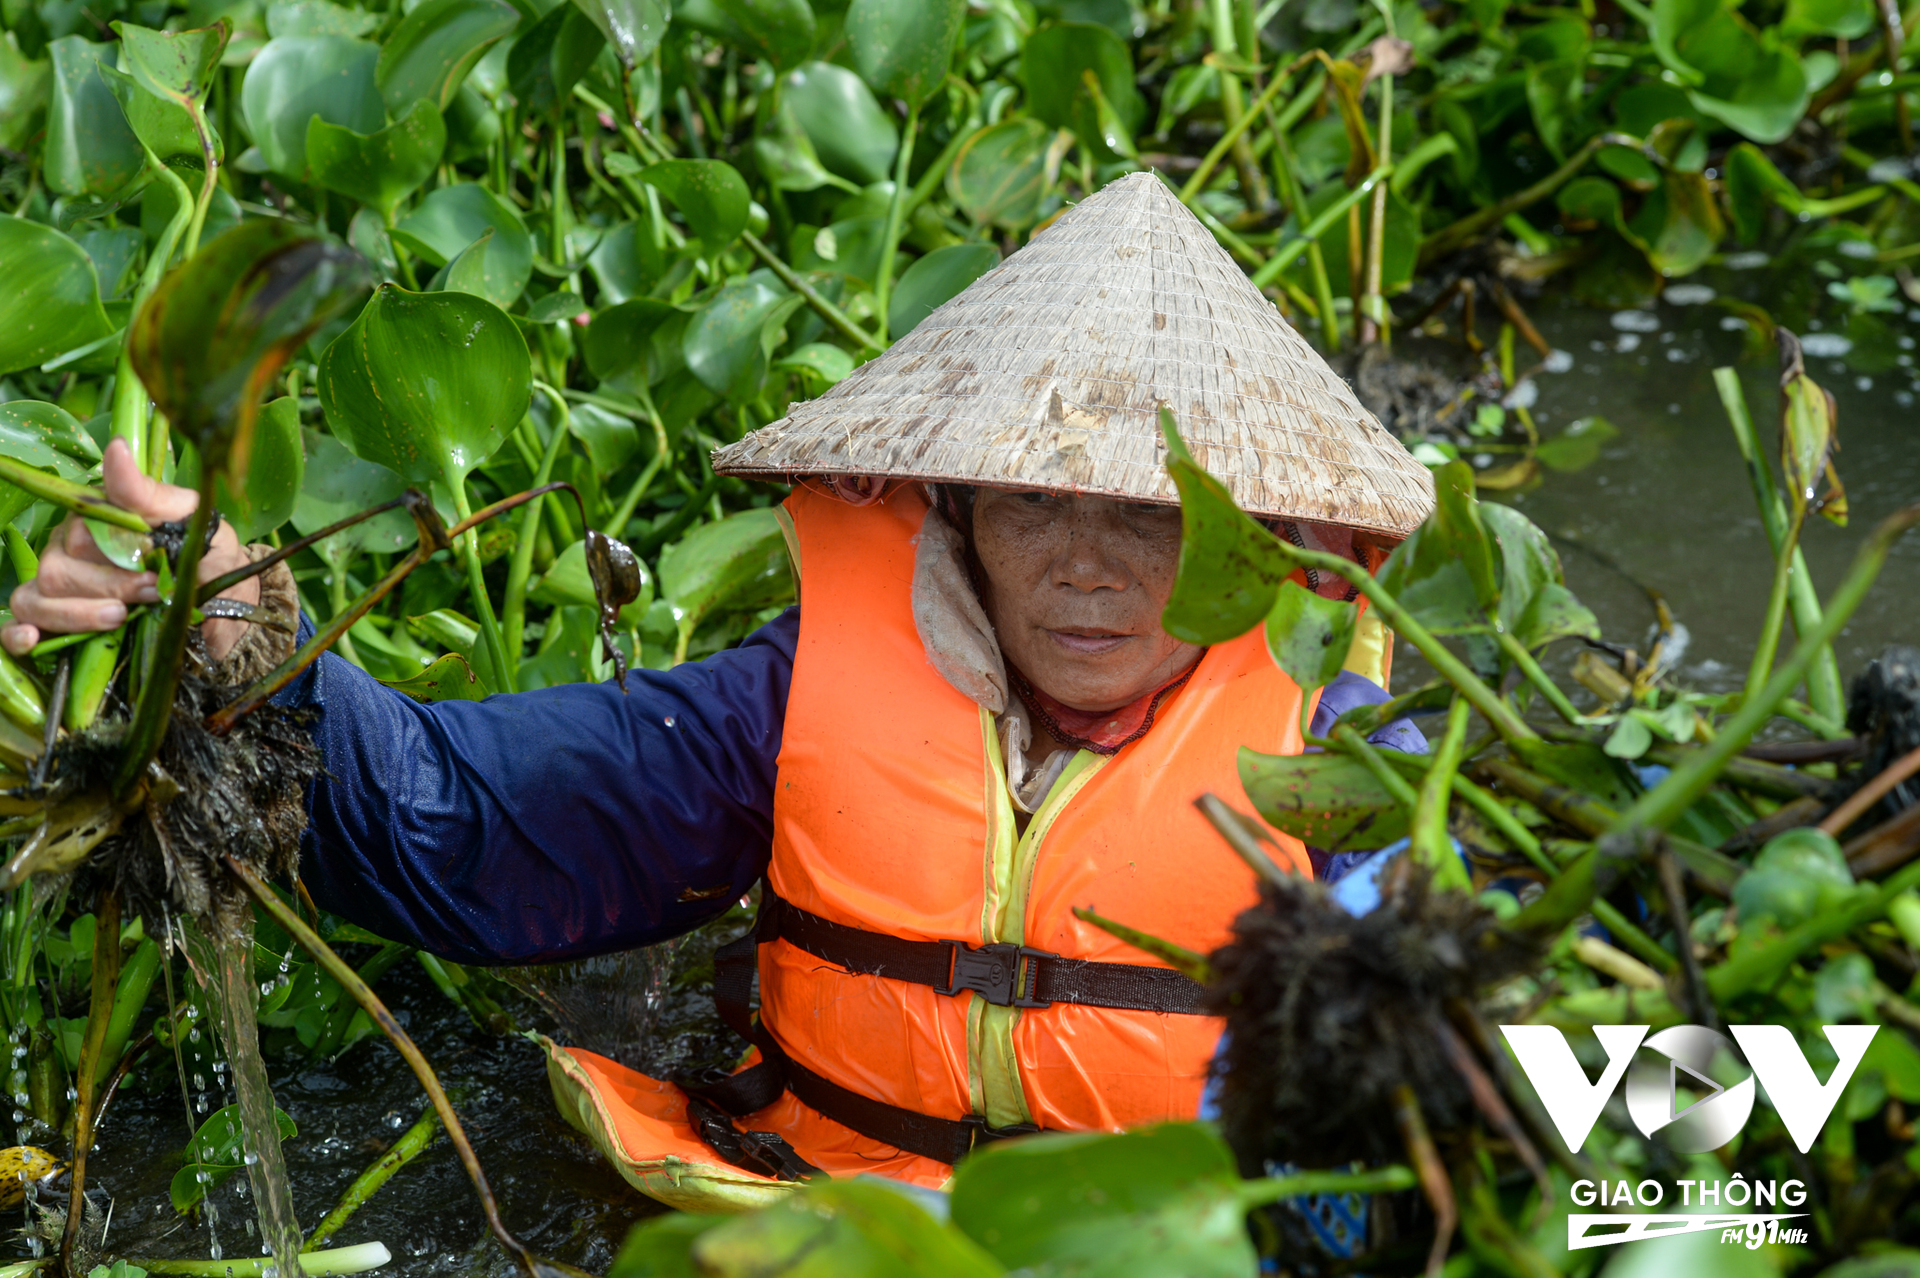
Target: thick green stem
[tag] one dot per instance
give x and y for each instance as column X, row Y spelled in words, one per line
column 154, row 708
column 357, row 1259
column 1323, row 297
column 207, row 183
column 1198, row 182
column 514, row 606
column 662, row 453
column 1373, row 307
column 822, row 307
column 1767, row 647
column 562, row 211
column 1824, row 690
column 1370, row 757
column 1432, row 847
column 1538, row 677
column 1661, row 806
column 129, row 392
column 403, row 1151
column 1492, row 708
column 78, row 498
column 337, row 601
column 1497, row 815
column 1380, row 1180
column 106, row 973
column 131, row 988
column 1448, row 238
column 287, row 671
column 1311, row 233
column 890, row 241
column 340, row 970
column 469, row 550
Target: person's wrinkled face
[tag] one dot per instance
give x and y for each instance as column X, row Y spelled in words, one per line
column 1075, row 587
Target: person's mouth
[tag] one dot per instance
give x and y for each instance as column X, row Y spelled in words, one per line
column 1089, row 643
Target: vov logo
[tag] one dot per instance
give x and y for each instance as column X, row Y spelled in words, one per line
column 1675, row 1096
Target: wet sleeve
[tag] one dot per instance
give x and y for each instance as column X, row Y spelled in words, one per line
column 546, row 825
column 1351, row 690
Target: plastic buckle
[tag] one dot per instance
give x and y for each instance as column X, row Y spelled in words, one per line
column 981, row 1132
column 770, row 1152
column 1001, row 973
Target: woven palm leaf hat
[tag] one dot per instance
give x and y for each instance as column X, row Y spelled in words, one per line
column 1049, row 372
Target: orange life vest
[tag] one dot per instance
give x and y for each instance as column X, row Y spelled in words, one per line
column 892, row 815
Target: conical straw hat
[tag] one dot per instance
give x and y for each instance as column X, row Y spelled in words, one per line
column 1049, row 371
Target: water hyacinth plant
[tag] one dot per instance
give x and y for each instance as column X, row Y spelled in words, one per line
column 419, row 263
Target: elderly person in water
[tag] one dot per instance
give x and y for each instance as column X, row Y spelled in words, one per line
column 972, row 723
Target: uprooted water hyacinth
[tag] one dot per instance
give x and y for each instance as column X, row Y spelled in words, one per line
column 182, row 797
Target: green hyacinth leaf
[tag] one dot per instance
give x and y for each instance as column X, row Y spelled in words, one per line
column 175, row 66
column 902, row 47
column 782, row 31
column 378, row 169
column 1002, row 173
column 453, row 217
column 724, row 344
column 1158, row 1201
column 1054, row 64
column 430, row 53
column 90, row 147
column 549, row 59
column 216, row 332
column 632, row 27
column 264, row 500
column 710, row 194
column 296, row 78
column 934, row 280
column 1230, row 567
column 52, row 301
column 850, row 132
column 617, row 340
column 1309, row 636
column 49, row 426
column 426, row 384
column 739, row 563
column 337, row 484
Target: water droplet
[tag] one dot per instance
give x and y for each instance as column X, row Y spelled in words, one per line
column 668, row 721
column 199, row 1082
column 193, row 1036
column 205, row 1178
column 73, row 1093
column 19, row 1115
column 251, row 1158
column 266, row 988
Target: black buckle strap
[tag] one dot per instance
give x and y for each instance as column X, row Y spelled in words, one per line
column 1003, row 974
column 945, row 1140
column 767, row 1153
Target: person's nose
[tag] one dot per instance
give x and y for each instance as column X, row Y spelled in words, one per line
column 1087, row 562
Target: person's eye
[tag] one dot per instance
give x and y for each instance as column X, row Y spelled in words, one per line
column 1035, row 498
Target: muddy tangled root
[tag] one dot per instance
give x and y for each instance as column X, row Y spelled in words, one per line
column 242, row 795
column 1327, row 1014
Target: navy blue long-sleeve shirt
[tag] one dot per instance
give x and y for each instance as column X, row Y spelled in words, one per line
column 570, row 821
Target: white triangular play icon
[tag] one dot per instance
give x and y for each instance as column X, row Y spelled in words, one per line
column 1694, row 1078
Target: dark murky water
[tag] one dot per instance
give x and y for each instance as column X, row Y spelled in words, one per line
column 1665, row 506
column 1669, row 502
